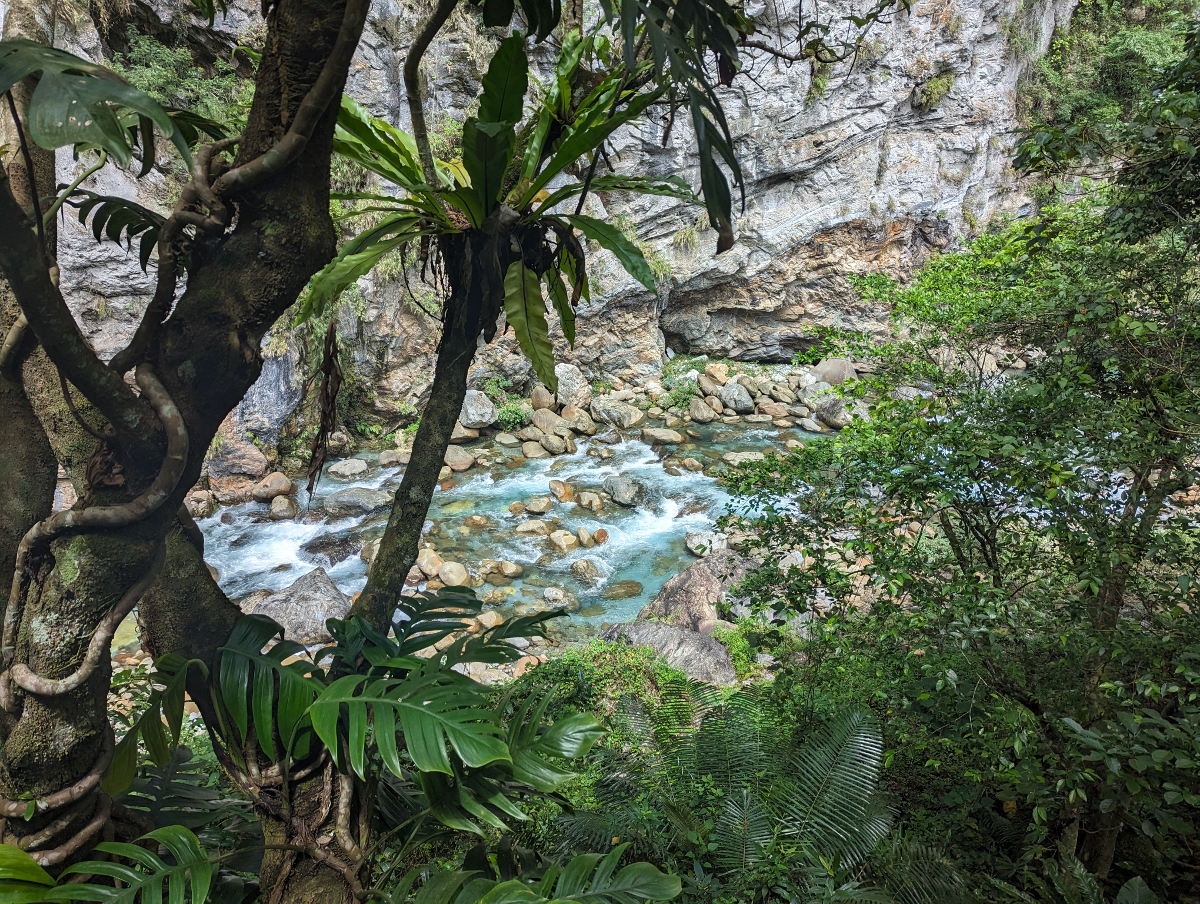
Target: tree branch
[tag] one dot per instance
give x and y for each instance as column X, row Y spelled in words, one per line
column 412, row 85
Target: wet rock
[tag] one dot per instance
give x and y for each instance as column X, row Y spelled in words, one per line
column 477, row 521
column 517, row 508
column 585, row 571
column 283, row 508
column 507, row 439
column 601, row 537
column 831, row 411
column 705, row 542
column 458, row 459
column 617, row 414
column 737, row 397
column 835, row 371
column 623, row 490
column 811, row 426
column 347, row 469
column 429, row 562
column 555, row 445
column 573, row 388
column 736, row 458
column 692, row 464
column 533, row 528
column 369, row 551
column 585, row 538
column 276, row 484
column 591, row 501
column 578, row 420
column 303, row 607
column 563, row 540
column 539, row 505
column 656, row 436
column 231, row 490
column 453, row 574
column 356, row 501
column 542, row 398
column 562, row 491
column 393, row 458
column 717, row 372
column 461, row 434
column 609, row 438
column 699, row 411
column 511, row 569
column 690, row 599
column 328, row 549
column 700, row 658
column 199, row 503
column 621, row 590
column 477, row 410
column 534, row 450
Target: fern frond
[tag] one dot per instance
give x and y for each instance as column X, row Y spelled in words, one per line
column 743, row 834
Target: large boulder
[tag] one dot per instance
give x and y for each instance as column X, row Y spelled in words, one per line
column 700, row 412
column 657, row 436
column 477, row 410
column 623, row 490
column 276, row 484
column 700, row 658
column 458, row 459
column 347, row 469
column 736, row 396
column 283, row 508
column 236, row 456
column 835, row 371
column 542, row 398
column 548, row 422
column 690, row 599
column 573, row 388
column 616, row 413
column 303, row 607
column 831, row 411
column 231, row 490
column 356, row 501
column 461, row 434
column 578, row 420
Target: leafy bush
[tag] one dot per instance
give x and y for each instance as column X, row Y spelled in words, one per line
column 511, row 416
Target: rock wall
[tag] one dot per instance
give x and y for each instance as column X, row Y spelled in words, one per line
column 903, row 153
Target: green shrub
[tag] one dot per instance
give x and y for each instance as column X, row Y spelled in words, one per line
column 511, row 416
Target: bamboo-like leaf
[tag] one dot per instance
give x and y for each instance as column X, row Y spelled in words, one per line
column 610, row 238
column 525, row 310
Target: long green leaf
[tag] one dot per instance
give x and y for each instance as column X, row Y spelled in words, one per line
column 505, row 83
column 192, row 871
column 525, row 310
column 562, row 304
column 610, row 238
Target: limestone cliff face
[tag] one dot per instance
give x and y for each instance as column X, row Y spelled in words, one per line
column 903, row 153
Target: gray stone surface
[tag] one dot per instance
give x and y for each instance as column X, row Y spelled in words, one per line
column 477, row 410
column 623, row 490
column 831, row 411
column 347, row 469
column 303, row 607
column 573, row 387
column 700, row 658
column 356, row 501
column 690, row 599
column 736, row 396
column 616, row 413
column 835, row 371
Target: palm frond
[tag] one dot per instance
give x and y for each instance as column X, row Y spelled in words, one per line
column 744, row 833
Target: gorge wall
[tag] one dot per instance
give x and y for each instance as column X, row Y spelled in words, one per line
column 848, row 171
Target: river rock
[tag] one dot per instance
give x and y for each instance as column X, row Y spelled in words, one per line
column 477, row 410
column 835, row 371
column 699, row 411
column 615, row 413
column 511, row 569
column 705, row 542
column 811, row 426
column 303, row 607
column 231, row 490
column 199, row 503
column 585, row 538
column 657, row 436
column 573, row 388
column 715, row 404
column 507, row 439
column 563, row 540
column 718, row 372
column 347, row 469
column 737, row 397
column 700, row 658
column 461, row 434
column 692, row 464
column 813, row 390
column 539, row 505
column 283, row 508
column 623, row 490
column 458, row 459
column 530, row 434
column 772, row 409
column 429, row 562
column 548, row 422
column 591, row 501
column 369, row 551
column 329, row 549
column 690, row 599
column 542, row 398
column 562, row 491
column 601, row 537
column 578, row 420
column 356, row 501
column 585, row 571
column 831, row 411
column 734, row 459
column 555, row 445
column 275, row 484
column 534, row 450
column 533, row 528
column 621, row 590
column 236, row 456
column 453, row 574
column 799, row 411
column 393, row 458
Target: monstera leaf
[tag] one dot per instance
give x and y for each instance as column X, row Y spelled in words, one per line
column 80, row 103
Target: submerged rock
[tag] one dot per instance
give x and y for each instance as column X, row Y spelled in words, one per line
column 283, row 508
column 586, row 571
column 303, row 607
column 700, row 658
